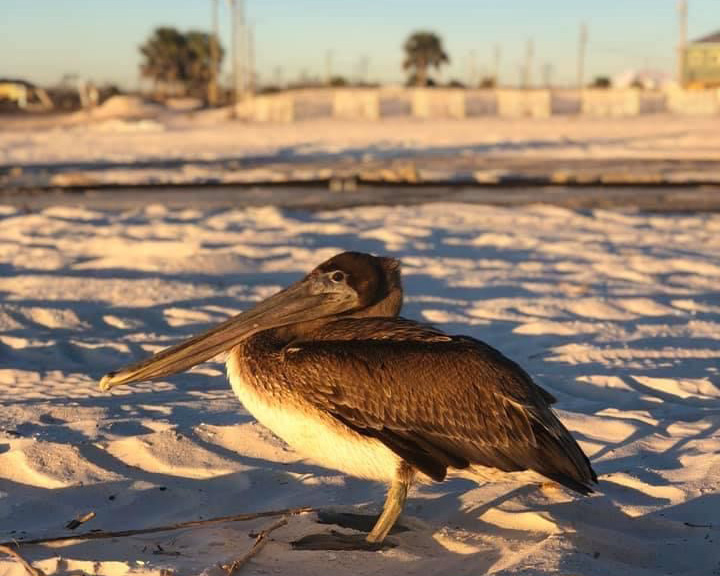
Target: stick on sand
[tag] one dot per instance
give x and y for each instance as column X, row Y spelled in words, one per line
column 28, row 567
column 75, row 522
column 260, row 541
column 100, row 534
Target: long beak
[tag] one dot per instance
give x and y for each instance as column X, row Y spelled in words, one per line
column 300, row 302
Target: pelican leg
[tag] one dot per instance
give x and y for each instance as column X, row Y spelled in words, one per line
column 375, row 540
column 394, row 504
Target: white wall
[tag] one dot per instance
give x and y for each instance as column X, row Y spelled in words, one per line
column 376, row 103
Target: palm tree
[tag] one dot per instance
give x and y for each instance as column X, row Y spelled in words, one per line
column 177, row 62
column 163, row 56
column 422, row 51
column 199, row 61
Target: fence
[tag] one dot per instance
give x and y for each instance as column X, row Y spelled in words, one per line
column 376, row 103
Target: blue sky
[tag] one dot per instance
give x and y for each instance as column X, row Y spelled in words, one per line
column 41, row 40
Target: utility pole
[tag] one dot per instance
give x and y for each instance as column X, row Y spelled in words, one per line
column 212, row 94
column 547, row 74
column 472, row 80
column 582, row 44
column 496, row 65
column 364, row 69
column 527, row 69
column 251, row 58
column 240, row 52
column 328, row 67
column 236, row 91
column 278, row 75
column 682, row 8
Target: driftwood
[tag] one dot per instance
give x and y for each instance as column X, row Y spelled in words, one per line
column 29, row 568
column 75, row 522
column 260, row 541
column 102, row 534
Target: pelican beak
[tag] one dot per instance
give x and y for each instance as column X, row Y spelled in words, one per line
column 305, row 300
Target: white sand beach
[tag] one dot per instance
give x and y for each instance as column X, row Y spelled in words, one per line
column 208, row 135
column 616, row 313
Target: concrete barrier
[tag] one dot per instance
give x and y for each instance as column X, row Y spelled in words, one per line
column 481, row 103
column 601, row 102
column 356, row 104
column 565, row 102
column 395, row 102
column 652, row 102
column 519, row 103
column 375, row 103
column 438, row 103
column 622, row 102
column 313, row 104
column 268, row 108
column 694, row 102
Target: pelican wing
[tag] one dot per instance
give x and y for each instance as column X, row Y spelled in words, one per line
column 435, row 400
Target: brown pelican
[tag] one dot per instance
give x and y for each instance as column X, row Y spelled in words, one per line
column 329, row 367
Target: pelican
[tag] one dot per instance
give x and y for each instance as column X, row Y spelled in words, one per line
column 329, row 366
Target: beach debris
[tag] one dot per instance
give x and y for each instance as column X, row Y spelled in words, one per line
column 29, row 568
column 75, row 522
column 102, row 534
column 260, row 541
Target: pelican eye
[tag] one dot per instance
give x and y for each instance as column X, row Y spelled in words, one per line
column 337, row 276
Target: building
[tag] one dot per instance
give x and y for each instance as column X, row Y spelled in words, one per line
column 701, row 64
column 19, row 94
column 646, row 79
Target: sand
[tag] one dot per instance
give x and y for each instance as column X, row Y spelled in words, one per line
column 616, row 313
column 208, row 135
column 129, row 142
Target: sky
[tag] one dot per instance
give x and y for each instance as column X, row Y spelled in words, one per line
column 97, row 40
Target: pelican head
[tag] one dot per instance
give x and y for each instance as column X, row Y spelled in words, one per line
column 348, row 284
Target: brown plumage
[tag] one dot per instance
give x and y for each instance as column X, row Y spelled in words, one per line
column 435, row 400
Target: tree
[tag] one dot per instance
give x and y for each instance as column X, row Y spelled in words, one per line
column 423, row 50
column 178, row 63
column 163, row 59
column 601, row 82
column 198, row 61
column 488, row 82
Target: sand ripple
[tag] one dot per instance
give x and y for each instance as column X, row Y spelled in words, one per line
column 618, row 314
